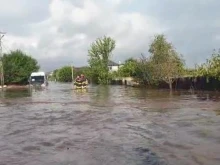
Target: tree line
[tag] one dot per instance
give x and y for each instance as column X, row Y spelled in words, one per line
column 18, row 66
column 164, row 64
column 67, row 73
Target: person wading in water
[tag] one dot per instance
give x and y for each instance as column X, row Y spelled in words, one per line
column 83, row 80
column 78, row 79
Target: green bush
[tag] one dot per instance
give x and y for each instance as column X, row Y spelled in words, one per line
column 17, row 67
column 64, row 74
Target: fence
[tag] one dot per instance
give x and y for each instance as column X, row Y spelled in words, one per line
column 197, row 83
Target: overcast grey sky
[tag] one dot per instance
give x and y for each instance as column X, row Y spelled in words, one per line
column 59, row 32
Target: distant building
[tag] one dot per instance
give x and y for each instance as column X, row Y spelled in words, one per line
column 49, row 73
column 113, row 66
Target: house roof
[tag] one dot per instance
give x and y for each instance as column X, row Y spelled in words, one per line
column 112, row 63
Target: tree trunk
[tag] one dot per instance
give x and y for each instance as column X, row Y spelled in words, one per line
column 170, row 85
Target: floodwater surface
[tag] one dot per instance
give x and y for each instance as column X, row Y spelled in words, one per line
column 108, row 125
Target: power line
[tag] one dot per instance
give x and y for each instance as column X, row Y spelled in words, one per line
column 2, row 34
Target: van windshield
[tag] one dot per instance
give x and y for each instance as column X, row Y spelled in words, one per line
column 37, row 79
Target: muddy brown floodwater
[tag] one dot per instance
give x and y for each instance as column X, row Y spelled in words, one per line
column 108, row 125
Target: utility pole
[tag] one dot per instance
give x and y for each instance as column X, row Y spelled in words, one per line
column 72, row 72
column 72, row 75
column 2, row 34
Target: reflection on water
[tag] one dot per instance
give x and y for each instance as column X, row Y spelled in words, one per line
column 217, row 111
column 16, row 93
column 108, row 125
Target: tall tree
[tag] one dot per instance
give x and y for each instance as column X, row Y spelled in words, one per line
column 99, row 55
column 18, row 66
column 168, row 64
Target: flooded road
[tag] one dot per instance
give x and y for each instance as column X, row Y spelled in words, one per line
column 108, row 125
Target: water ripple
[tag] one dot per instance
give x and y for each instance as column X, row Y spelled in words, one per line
column 108, row 125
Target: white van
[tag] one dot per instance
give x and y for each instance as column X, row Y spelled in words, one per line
column 38, row 78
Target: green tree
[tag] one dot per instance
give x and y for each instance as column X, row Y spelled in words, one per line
column 145, row 71
column 129, row 68
column 18, row 66
column 201, row 70
column 211, row 68
column 190, row 72
column 99, row 55
column 213, row 65
column 167, row 63
column 64, row 74
column 82, row 70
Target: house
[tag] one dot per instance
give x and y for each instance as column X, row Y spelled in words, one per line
column 113, row 66
column 49, row 74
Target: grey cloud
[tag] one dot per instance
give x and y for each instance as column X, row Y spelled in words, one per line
column 77, row 3
column 49, row 64
column 73, row 52
column 192, row 26
column 92, row 29
column 195, row 44
column 174, row 10
column 68, row 58
column 16, row 15
column 46, row 41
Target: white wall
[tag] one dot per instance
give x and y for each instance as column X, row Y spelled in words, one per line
column 113, row 68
